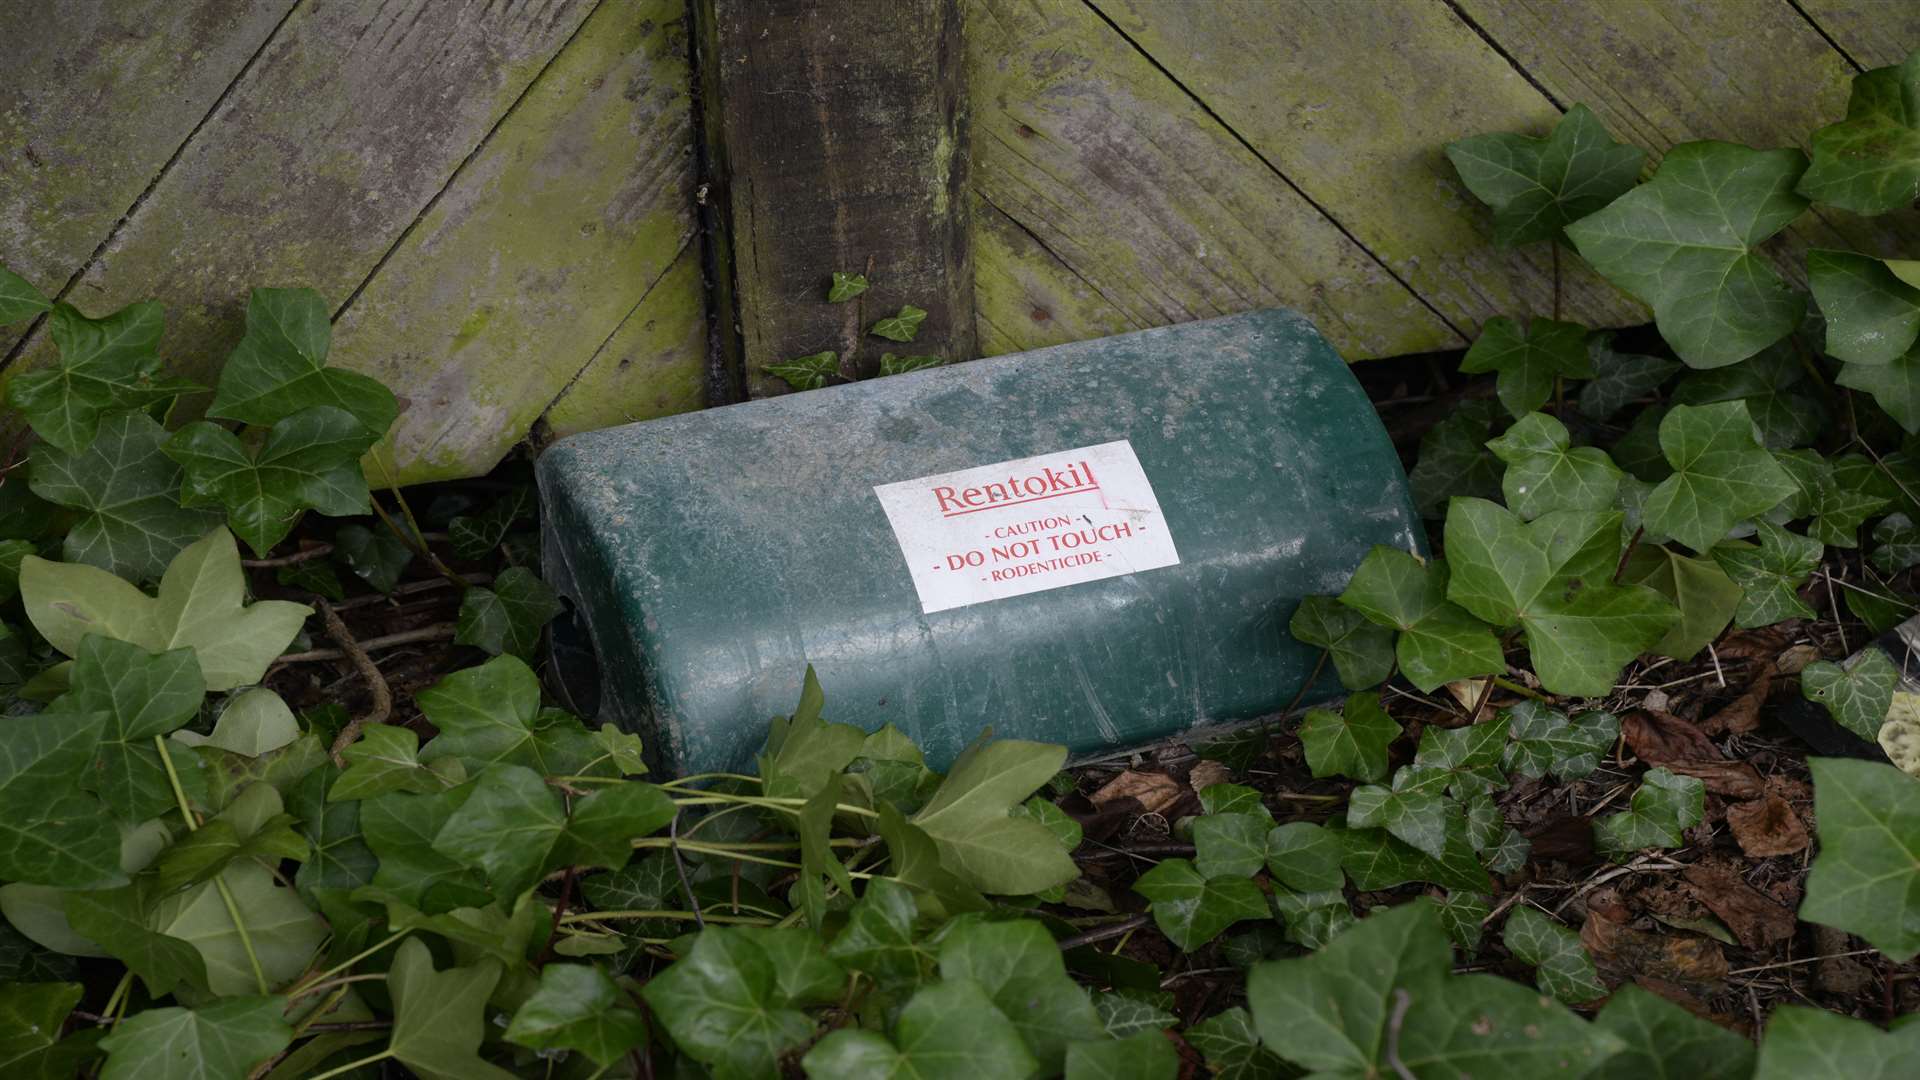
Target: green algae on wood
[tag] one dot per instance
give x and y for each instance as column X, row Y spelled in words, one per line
column 654, row 365
column 538, row 250
column 1146, row 198
column 1874, row 33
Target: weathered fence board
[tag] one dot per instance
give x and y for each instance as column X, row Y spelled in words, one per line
column 653, row 365
column 94, row 98
column 1149, row 201
column 538, row 250
column 1874, row 33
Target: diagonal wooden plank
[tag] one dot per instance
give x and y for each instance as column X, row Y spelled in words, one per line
column 1660, row 72
column 353, row 118
column 94, row 98
column 1874, row 33
column 1353, row 103
column 1147, row 202
column 653, row 365
column 538, row 250
column 1025, row 297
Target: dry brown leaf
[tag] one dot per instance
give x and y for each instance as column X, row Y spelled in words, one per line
column 1733, row 779
column 1659, row 738
column 1623, row 953
column 1767, row 827
column 1763, row 643
column 1796, row 658
column 1155, row 792
column 1757, row 921
column 1208, row 773
column 1743, row 713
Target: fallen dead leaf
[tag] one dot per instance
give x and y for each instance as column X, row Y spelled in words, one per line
column 1743, row 713
column 1208, row 773
column 1838, row 974
column 1757, row 921
column 1796, row 658
column 1155, row 792
column 1767, row 827
column 1622, row 953
column 1733, row 779
column 1658, row 738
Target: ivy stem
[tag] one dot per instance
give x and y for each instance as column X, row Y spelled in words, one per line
column 731, row 853
column 791, row 806
column 354, row 959
column 120, row 990
column 683, row 916
column 342, row 981
column 219, row 880
column 1515, row 688
column 342, row 1070
column 697, row 777
column 728, row 848
column 319, row 1011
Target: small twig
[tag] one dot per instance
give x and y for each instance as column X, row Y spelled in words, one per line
column 408, row 589
column 318, row 551
column 1114, row 930
column 680, row 866
column 1401, row 1002
column 376, row 683
column 1628, row 553
column 436, row 632
column 1717, row 672
column 1802, row 960
column 559, row 912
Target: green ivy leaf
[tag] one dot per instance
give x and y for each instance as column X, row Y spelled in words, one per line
column 1439, row 641
column 891, row 364
column 310, row 461
column 1663, row 806
column 1620, row 379
column 1375, row 860
column 1869, row 163
column 1895, row 386
column 377, row 558
column 1352, row 742
column 1538, row 186
column 1305, row 856
column 477, row 536
column 142, row 694
column 1803, row 1042
column 1463, row 915
column 1721, row 475
column 1234, row 799
column 279, row 368
column 1362, row 652
column 1770, row 576
column 1553, row 578
column 809, row 372
column 1545, row 741
column 201, row 604
column 1561, row 963
column 1897, row 544
column 1868, row 869
column 1465, row 760
column 315, row 576
column 1546, row 472
column 804, row 975
column 948, row 1031
column 32, row 1014
column 1145, row 1055
column 1858, row 696
column 255, row 722
column 577, row 1007
column 1231, row 1047
column 19, row 299
column 253, row 826
column 720, row 1003
column 1528, row 360
column 1839, row 495
column 1685, row 244
column 509, row 617
column 1454, row 459
column 1230, row 845
column 340, row 858
column 385, row 758
column 1872, row 317
column 439, row 1017
column 1702, row 592
column 131, row 522
column 105, row 365
column 879, row 939
column 1329, row 1012
column 1664, row 1040
column 400, row 829
column 1126, row 1016
column 803, row 751
column 1019, row 966
column 1785, row 410
column 902, row 326
column 115, row 920
column 224, row 1039
column 505, row 827
column 1417, row 817
column 1191, row 909
column 54, row 834
column 978, row 840
column 492, row 713
column 11, row 552
column 845, row 287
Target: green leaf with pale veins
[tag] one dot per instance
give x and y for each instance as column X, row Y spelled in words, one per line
column 948, row 1031
column 1330, row 1012
column 1362, row 652
column 1545, row 741
column 1464, row 760
column 1663, row 806
column 901, row 326
column 1698, row 588
column 1528, row 360
column 1191, row 909
column 310, row 461
column 1620, row 379
column 1230, row 845
column 377, row 558
column 1869, row 163
column 577, row 1007
column 1418, row 817
column 1803, row 1042
column 1857, row 696
column 1145, row 1055
column 125, row 488
column 1872, row 317
column 105, row 365
column 1018, row 964
column 1721, row 475
column 509, row 617
column 339, row 858
column 1895, row 386
column 1537, row 186
column 1686, row 242
column 477, row 536
column 1231, row 1047
column 222, row 1040
column 51, row 832
column 400, row 830
column 19, row 299
column 879, row 938
column 1454, row 459
column 280, row 367
column 845, row 287
column 506, row 828
column 1666, row 1042
column 1866, row 878
column 891, row 364
column 1561, row 964
column 385, row 758
column 1770, row 575
column 116, row 920
column 721, row 1004
column 1785, row 409
column 1439, row 641
column 809, row 372
column 1375, row 860
column 1896, row 544
column 142, row 694
column 1463, row 915
column 284, row 933
column 1304, row 856
column 491, row 713
column 1553, row 578
column 1352, row 742
column 32, row 1014
column 969, row 821
column 440, row 1017
column 1125, row 1016
column 1546, row 472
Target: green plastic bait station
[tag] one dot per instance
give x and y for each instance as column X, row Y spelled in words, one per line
column 1097, row 544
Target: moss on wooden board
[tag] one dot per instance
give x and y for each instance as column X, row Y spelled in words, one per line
column 654, row 365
